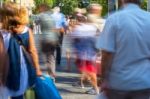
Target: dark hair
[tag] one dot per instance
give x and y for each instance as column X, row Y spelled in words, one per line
column 44, row 7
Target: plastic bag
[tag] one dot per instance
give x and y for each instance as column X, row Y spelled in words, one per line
column 46, row 89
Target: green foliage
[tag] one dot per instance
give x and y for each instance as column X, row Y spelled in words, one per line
column 49, row 2
column 67, row 6
column 38, row 2
column 4, row 0
column 144, row 4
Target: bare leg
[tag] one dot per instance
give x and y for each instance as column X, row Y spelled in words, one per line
column 68, row 60
column 93, row 81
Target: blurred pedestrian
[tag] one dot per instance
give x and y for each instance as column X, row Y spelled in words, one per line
column 49, row 37
column 94, row 14
column 61, row 24
column 83, row 36
column 125, row 52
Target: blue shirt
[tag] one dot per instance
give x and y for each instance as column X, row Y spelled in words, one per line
column 60, row 20
column 127, row 35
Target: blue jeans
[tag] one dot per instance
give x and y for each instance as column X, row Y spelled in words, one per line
column 18, row 97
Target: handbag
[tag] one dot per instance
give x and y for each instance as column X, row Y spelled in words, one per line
column 45, row 88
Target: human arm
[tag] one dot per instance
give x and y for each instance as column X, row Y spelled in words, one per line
column 32, row 50
column 3, row 62
column 106, row 62
column 107, row 44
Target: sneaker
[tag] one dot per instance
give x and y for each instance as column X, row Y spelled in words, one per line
column 92, row 91
column 78, row 84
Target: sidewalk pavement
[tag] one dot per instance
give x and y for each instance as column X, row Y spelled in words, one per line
column 64, row 81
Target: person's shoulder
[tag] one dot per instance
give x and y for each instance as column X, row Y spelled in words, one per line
column 146, row 13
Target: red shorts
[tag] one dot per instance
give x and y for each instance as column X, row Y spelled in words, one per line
column 86, row 66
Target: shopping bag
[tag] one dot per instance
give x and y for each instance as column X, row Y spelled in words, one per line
column 45, row 88
column 30, row 94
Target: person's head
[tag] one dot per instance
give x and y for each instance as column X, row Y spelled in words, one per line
column 56, row 9
column 8, row 10
column 80, row 18
column 95, row 9
column 43, row 7
column 124, row 2
column 20, row 19
column 14, row 16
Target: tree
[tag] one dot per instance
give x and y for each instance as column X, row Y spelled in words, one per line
column 49, row 2
column 67, row 6
column 38, row 2
column 144, row 4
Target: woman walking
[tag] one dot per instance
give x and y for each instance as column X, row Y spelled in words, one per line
column 21, row 73
column 84, row 36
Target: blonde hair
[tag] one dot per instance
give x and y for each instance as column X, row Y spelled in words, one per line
column 22, row 16
column 7, row 11
column 12, row 13
column 95, row 9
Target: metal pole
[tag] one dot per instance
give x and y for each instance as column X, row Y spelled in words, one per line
column 116, row 4
column 148, row 5
column 108, row 7
column 1, row 3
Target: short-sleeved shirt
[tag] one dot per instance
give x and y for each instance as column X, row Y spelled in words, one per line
column 60, row 20
column 84, row 38
column 127, row 35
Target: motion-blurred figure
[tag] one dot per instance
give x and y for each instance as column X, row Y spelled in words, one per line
column 61, row 24
column 84, row 37
column 49, row 38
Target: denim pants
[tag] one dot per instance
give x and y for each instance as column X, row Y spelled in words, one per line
column 139, row 94
column 59, row 49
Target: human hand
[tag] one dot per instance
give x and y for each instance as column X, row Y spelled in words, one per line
column 38, row 72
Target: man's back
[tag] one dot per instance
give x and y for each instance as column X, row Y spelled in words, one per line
column 47, row 25
column 129, row 36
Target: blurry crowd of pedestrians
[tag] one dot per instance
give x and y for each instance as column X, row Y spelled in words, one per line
column 117, row 51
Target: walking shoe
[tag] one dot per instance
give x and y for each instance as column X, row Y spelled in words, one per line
column 92, row 91
column 78, row 84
